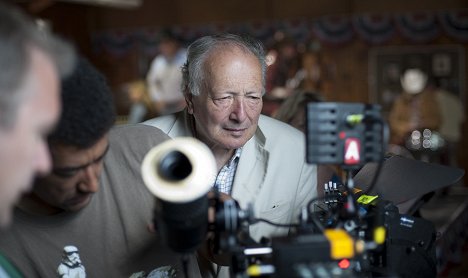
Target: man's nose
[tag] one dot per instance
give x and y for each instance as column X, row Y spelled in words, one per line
column 238, row 109
column 90, row 181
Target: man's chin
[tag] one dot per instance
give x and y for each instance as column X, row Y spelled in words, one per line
column 79, row 204
column 236, row 143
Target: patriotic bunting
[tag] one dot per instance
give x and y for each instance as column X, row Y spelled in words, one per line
column 421, row 27
column 455, row 24
column 374, row 29
column 333, row 30
column 418, row 27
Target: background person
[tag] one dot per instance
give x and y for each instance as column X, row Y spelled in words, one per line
column 415, row 108
column 164, row 77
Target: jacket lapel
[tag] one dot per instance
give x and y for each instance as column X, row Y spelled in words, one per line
column 181, row 126
column 251, row 170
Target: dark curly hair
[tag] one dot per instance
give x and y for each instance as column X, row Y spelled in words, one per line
column 88, row 110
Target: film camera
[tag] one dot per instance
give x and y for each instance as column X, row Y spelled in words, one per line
column 350, row 231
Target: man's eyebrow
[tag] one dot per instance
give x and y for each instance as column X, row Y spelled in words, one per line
column 253, row 93
column 71, row 169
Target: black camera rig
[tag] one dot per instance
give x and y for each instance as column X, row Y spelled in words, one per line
column 378, row 242
column 346, row 232
column 350, row 231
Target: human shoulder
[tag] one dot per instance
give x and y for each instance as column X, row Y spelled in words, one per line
column 137, row 132
column 165, row 123
column 158, row 61
column 279, row 132
column 135, row 138
column 181, row 56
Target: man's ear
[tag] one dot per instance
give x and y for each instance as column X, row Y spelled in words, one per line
column 189, row 101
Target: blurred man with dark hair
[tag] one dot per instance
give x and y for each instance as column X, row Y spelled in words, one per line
column 77, row 145
column 91, row 213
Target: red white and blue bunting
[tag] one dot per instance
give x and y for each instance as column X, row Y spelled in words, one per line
column 298, row 29
column 333, row 30
column 421, row 27
column 148, row 40
column 418, row 27
column 117, row 43
column 261, row 30
column 374, row 29
column 455, row 24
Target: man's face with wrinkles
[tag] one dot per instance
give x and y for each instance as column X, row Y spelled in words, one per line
column 227, row 110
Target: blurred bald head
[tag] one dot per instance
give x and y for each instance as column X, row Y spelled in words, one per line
column 32, row 62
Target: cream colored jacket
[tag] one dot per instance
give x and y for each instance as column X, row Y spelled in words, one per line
column 272, row 173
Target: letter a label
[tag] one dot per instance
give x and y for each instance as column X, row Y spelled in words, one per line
column 352, row 151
